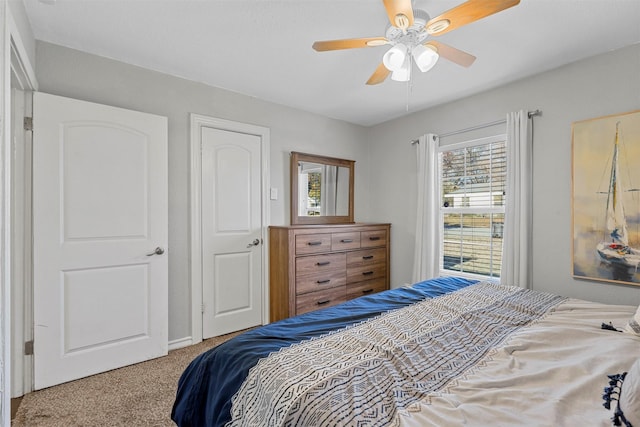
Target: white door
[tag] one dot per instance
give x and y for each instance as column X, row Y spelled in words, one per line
column 231, row 231
column 99, row 213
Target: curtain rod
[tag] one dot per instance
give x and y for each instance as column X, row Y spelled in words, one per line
column 482, row 126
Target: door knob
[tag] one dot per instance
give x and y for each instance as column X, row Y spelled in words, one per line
column 256, row 242
column 157, row 251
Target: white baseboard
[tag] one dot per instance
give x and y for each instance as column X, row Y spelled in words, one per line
column 179, row 343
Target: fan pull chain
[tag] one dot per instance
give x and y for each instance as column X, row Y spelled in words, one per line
column 409, row 82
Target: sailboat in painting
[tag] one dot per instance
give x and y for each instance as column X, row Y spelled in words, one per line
column 616, row 250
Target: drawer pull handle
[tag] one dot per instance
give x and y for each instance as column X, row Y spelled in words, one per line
column 367, row 257
column 320, row 282
column 346, row 240
column 367, row 273
column 314, row 243
column 367, row 291
column 374, row 238
column 323, row 263
column 327, row 301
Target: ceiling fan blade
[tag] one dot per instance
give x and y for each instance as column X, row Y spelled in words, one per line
column 379, row 75
column 323, row 46
column 400, row 13
column 452, row 54
column 464, row 14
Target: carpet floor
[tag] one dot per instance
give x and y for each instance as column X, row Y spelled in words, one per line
column 136, row 395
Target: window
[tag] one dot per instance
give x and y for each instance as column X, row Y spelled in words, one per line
column 472, row 189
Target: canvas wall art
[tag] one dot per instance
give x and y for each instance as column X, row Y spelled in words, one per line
column 606, row 198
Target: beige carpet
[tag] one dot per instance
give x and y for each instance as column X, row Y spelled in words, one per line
column 136, row 395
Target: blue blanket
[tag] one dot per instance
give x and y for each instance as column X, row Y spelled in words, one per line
column 207, row 385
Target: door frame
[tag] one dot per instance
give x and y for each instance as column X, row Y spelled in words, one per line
column 197, row 122
column 16, row 283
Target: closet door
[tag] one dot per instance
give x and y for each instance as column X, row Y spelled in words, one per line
column 232, row 249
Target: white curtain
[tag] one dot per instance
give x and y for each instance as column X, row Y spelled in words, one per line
column 329, row 197
column 426, row 261
column 516, row 242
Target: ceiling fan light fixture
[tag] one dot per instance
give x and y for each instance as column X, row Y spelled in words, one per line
column 438, row 26
column 402, row 74
column 407, row 32
column 425, row 57
column 395, row 57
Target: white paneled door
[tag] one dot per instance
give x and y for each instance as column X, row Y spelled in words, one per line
column 100, row 227
column 231, row 231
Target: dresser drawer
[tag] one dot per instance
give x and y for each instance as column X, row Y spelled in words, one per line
column 344, row 241
column 320, row 264
column 366, row 257
column 313, row 243
column 318, row 282
column 320, row 299
column 366, row 272
column 368, row 287
column 370, row 239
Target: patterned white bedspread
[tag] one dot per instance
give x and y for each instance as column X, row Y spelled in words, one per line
column 485, row 355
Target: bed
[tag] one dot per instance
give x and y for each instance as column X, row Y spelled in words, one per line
column 445, row 352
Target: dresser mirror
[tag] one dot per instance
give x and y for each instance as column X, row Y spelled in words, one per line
column 321, row 189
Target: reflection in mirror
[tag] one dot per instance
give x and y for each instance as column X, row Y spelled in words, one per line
column 321, row 189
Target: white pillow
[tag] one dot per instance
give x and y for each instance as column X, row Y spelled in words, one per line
column 633, row 325
column 630, row 395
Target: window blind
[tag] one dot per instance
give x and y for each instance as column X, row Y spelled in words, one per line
column 472, row 184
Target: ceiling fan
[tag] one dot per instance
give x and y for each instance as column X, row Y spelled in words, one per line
column 408, row 35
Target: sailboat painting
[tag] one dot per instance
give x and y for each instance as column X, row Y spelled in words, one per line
column 606, row 198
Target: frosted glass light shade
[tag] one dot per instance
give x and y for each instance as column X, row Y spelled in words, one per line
column 425, row 57
column 395, row 57
column 402, row 74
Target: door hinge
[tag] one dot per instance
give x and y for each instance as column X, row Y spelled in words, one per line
column 28, row 348
column 28, row 123
column 202, row 308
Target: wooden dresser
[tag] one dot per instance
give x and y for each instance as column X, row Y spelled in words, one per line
column 317, row 266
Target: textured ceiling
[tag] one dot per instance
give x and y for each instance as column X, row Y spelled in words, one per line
column 262, row 48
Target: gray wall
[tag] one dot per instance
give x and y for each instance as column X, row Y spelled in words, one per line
column 603, row 85
column 66, row 72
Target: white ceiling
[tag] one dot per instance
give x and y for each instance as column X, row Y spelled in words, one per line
column 262, row 48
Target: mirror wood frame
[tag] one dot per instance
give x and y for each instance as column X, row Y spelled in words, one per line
column 332, row 161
